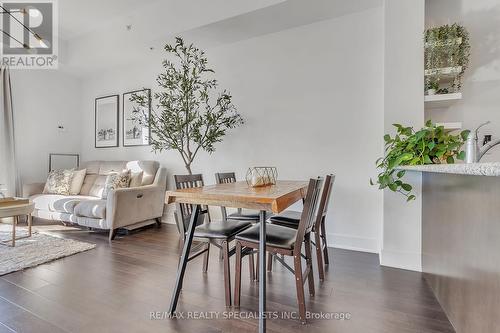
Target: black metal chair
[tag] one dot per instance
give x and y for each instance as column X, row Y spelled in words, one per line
column 288, row 242
column 290, row 218
column 219, row 233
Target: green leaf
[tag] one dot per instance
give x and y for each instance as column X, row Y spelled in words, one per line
column 371, row 182
column 410, row 198
column 440, row 153
column 461, row 155
column 464, row 134
column 406, row 187
column 427, row 145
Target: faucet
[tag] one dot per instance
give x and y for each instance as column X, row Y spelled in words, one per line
column 474, row 153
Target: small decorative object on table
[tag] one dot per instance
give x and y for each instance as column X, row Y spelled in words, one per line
column 261, row 176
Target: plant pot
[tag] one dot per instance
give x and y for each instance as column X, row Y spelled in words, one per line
column 431, row 92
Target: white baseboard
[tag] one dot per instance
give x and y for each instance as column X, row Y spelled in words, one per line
column 403, row 260
column 354, row 243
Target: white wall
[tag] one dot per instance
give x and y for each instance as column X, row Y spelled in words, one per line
column 403, row 91
column 312, row 98
column 481, row 98
column 42, row 100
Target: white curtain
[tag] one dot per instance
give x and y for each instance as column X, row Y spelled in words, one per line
column 9, row 176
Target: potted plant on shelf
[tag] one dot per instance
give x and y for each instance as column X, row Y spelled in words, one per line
column 447, row 52
column 192, row 115
column 432, row 87
column 430, row 145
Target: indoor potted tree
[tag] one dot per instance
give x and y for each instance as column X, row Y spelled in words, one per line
column 192, row 115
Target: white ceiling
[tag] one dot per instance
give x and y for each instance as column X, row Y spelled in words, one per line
column 77, row 17
column 95, row 38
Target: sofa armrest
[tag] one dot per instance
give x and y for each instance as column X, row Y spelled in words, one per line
column 32, row 189
column 127, row 206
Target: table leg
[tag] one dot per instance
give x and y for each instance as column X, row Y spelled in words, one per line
column 30, row 221
column 262, row 272
column 184, row 258
column 14, row 222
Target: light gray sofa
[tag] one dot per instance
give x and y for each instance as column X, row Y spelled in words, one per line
column 123, row 207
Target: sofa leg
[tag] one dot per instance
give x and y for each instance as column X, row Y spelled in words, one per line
column 158, row 222
column 112, row 234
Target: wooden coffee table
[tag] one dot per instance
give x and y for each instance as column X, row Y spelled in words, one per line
column 14, row 211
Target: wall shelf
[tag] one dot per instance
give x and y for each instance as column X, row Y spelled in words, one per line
column 452, row 126
column 444, row 72
column 441, row 101
column 448, row 42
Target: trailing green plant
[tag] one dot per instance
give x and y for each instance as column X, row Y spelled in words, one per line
column 447, row 46
column 429, row 145
column 432, row 84
column 192, row 115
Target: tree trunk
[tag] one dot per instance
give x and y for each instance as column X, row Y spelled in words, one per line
column 188, row 167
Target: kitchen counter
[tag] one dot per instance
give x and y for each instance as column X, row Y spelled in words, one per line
column 461, row 242
column 476, row 169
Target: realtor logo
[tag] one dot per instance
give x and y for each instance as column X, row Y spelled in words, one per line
column 29, row 34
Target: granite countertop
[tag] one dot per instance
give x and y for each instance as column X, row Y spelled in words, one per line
column 479, row 169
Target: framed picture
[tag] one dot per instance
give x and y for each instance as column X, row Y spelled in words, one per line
column 63, row 161
column 135, row 134
column 106, row 121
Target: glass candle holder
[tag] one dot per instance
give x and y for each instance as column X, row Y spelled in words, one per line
column 261, row 176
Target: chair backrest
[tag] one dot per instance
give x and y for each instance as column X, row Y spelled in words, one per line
column 307, row 219
column 225, row 178
column 183, row 210
column 324, row 201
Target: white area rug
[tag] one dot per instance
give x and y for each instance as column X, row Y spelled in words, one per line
column 38, row 249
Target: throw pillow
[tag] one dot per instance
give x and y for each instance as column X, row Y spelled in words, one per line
column 136, row 179
column 58, row 182
column 77, row 181
column 115, row 181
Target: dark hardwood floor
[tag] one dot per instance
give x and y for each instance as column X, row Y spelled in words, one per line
column 116, row 287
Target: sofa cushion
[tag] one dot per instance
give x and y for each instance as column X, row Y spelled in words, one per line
column 57, row 202
column 93, row 222
column 91, row 208
column 136, row 179
column 115, row 181
column 97, row 188
column 58, row 182
column 149, row 169
column 54, row 216
column 108, row 167
column 77, row 181
column 94, row 182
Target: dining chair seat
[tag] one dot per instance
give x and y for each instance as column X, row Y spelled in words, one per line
column 244, row 216
column 207, row 232
column 291, row 219
column 288, row 218
column 276, row 236
column 287, row 242
column 220, row 230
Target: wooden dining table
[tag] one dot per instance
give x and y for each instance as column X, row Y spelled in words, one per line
column 272, row 198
